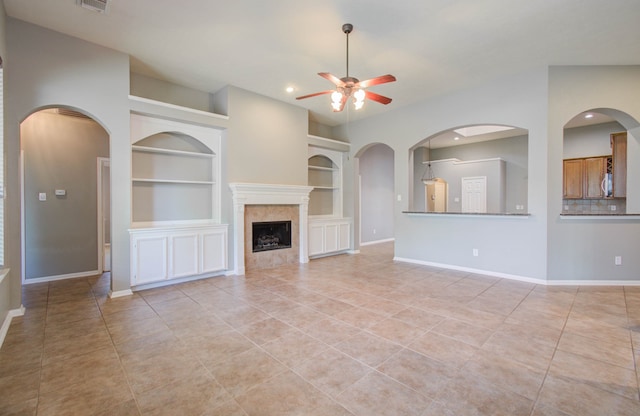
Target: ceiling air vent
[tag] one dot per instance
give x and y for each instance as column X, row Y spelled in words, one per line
column 99, row 6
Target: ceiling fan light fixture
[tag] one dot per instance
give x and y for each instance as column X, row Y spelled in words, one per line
column 336, row 100
column 348, row 86
column 358, row 99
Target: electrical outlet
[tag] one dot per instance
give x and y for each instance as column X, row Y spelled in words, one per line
column 42, row 196
column 475, row 252
column 617, row 260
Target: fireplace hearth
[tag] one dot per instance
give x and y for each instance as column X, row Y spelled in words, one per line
column 272, row 235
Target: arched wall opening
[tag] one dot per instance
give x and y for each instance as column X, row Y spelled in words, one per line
column 65, row 207
column 596, row 163
column 484, row 169
column 376, row 184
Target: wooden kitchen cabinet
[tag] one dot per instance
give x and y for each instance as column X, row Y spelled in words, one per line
column 572, row 178
column 587, row 178
column 619, row 151
column 583, row 178
column 594, row 174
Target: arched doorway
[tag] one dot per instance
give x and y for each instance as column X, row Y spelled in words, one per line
column 377, row 190
column 63, row 155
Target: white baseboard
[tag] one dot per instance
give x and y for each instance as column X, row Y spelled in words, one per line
column 370, row 243
column 592, row 282
column 170, row 282
column 61, row 277
column 475, row 271
column 7, row 322
column 526, row 279
column 120, row 293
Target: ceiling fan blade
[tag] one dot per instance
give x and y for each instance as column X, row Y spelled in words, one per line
column 377, row 80
column 377, row 97
column 314, row 94
column 332, row 78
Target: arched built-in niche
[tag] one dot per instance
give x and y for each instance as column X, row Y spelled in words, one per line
column 325, row 176
column 596, row 162
column 175, row 173
column 64, row 234
column 172, row 179
column 490, row 156
column 175, row 182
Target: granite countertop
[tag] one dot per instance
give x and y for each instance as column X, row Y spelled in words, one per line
column 501, row 214
column 597, row 214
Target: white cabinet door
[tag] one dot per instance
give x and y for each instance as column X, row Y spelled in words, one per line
column 331, row 238
column 163, row 254
column 184, row 255
column 344, row 236
column 316, row 239
column 213, row 251
column 149, row 261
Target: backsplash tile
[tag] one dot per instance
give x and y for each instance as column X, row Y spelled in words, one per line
column 594, row 206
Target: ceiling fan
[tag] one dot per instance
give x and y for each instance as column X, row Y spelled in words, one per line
column 349, row 86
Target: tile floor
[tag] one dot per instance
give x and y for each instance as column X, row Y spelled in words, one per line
column 346, row 335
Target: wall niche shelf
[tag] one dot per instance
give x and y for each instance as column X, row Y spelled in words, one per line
column 150, row 149
column 175, row 231
column 329, row 232
column 325, row 176
column 172, row 181
column 154, row 108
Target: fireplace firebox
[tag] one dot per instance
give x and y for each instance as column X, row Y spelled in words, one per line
column 272, row 235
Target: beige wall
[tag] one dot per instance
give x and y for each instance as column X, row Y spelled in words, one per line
column 266, row 140
column 586, row 249
column 48, row 69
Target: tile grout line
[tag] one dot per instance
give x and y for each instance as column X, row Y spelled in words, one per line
column 546, row 374
column 633, row 353
column 124, row 372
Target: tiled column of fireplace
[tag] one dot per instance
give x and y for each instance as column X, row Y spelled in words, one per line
column 263, row 194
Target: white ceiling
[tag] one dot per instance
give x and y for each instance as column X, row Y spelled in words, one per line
column 433, row 47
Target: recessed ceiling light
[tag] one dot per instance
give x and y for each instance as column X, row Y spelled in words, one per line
column 456, row 138
column 588, row 115
column 290, row 89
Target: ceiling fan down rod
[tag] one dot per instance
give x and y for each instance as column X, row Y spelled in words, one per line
column 347, row 28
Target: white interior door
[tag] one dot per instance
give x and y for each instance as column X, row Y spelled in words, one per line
column 474, row 194
column 104, row 213
column 436, row 197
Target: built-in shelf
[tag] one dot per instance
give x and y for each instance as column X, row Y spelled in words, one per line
column 160, row 104
column 175, row 171
column 329, row 188
column 151, row 180
column 326, row 143
column 311, row 167
column 149, row 149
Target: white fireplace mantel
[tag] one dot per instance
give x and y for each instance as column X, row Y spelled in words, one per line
column 266, row 194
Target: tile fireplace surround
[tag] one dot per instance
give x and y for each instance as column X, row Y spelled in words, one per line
column 264, row 194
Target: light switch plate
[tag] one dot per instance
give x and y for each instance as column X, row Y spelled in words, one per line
column 42, row 196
